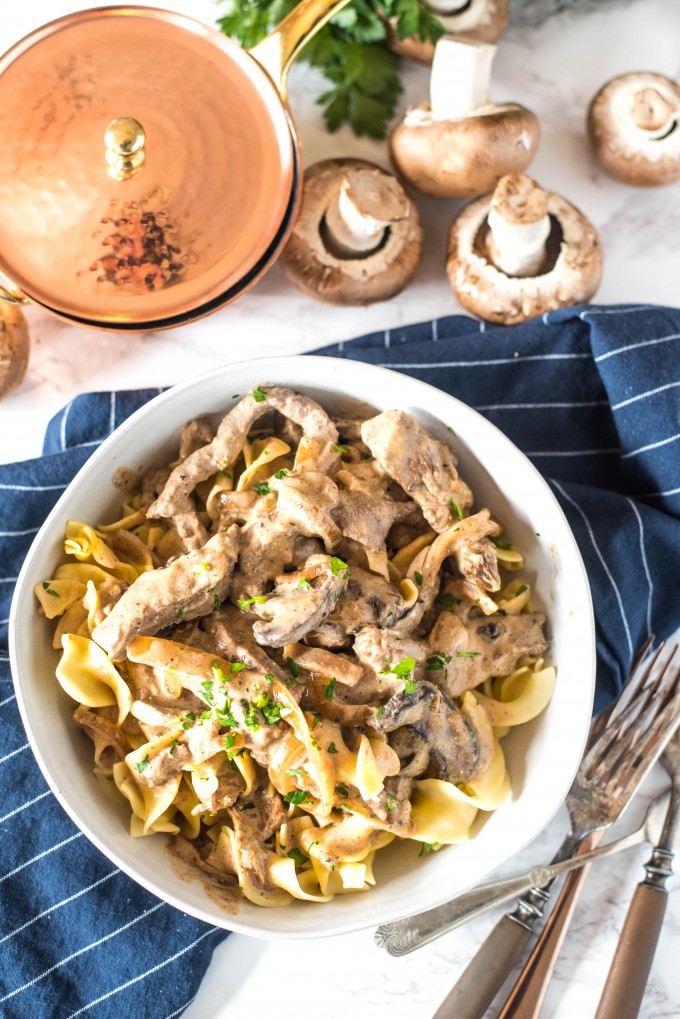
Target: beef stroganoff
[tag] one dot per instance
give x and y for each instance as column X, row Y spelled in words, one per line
column 300, row 642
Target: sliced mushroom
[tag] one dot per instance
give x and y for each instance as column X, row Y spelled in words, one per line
column 633, row 126
column 358, row 237
column 316, row 450
column 196, row 582
column 521, row 252
column 482, row 20
column 14, row 347
column 299, row 601
column 368, row 600
column 461, row 143
column 454, row 744
column 424, row 467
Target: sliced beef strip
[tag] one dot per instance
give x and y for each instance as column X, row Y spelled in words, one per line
column 424, row 467
column 232, row 637
column 368, row 519
column 380, row 650
column 482, row 647
column 191, row 586
column 316, row 450
column 195, row 434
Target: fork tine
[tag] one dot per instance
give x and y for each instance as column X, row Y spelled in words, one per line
column 642, row 708
column 639, row 740
column 602, row 720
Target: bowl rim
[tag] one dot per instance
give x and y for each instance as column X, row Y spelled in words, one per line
column 23, row 589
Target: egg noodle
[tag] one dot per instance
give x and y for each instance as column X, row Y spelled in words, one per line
column 295, row 646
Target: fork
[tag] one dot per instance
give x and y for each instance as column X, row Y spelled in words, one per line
column 625, row 985
column 634, row 733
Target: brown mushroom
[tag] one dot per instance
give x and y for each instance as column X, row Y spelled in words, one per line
column 460, row 144
column 482, row 20
column 14, row 345
column 633, row 126
column 358, row 237
column 522, row 251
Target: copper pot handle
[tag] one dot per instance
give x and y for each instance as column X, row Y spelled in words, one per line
column 11, row 293
column 278, row 50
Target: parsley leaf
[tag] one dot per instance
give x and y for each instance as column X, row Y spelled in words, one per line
column 328, row 688
column 262, row 488
column 243, row 603
column 143, row 764
column 304, row 583
column 259, row 394
column 282, row 473
column 337, row 565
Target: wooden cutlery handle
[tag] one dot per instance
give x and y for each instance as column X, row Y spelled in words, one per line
column 528, row 993
column 632, row 962
column 484, row 976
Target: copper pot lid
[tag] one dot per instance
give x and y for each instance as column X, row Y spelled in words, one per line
column 148, row 168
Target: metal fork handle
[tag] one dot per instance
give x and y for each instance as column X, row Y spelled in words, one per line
column 627, row 979
column 528, row 993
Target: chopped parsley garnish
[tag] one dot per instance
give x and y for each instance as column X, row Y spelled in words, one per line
column 380, row 711
column 173, row 746
column 204, row 716
column 259, row 394
column 438, row 662
column 404, row 670
column 328, row 688
column 341, row 791
column 229, row 740
column 237, row 666
column 298, row 856
column 304, row 583
column 225, row 717
column 427, row 847
column 501, row 543
column 191, row 716
column 180, row 613
column 391, row 801
column 243, row 603
column 218, row 674
column 450, row 429
column 262, row 488
column 521, row 589
column 269, row 678
column 247, row 806
column 501, row 612
column 216, row 602
column 143, row 765
column 293, row 667
column 271, row 711
column 449, row 601
column 50, row 590
column 418, row 578
column 343, row 806
column 297, row 796
column 250, row 715
column 296, row 771
column 207, row 691
column 337, row 565
column 468, row 654
column 456, row 510
column 282, row 473
column 332, row 749
column 341, row 449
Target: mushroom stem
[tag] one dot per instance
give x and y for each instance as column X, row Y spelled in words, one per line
column 651, row 113
column 364, row 208
column 461, row 72
column 519, row 226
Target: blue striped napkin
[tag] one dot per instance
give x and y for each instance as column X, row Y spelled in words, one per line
column 592, row 395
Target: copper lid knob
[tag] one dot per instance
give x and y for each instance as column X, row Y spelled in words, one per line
column 124, row 140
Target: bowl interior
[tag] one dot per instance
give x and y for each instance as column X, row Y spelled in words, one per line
column 542, row 756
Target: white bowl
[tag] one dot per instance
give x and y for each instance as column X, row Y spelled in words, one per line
column 542, row 756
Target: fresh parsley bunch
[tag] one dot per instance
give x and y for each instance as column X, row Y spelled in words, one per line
column 350, row 51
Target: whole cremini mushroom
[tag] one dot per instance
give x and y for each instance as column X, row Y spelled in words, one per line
column 14, row 346
column 521, row 252
column 358, row 237
column 634, row 128
column 482, row 20
column 462, row 143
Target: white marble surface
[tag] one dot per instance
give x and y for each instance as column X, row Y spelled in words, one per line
column 553, row 65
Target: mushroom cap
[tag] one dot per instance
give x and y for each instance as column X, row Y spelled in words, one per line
column 372, row 276
column 464, row 158
column 481, row 20
column 14, row 347
column 572, row 273
column 626, row 151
